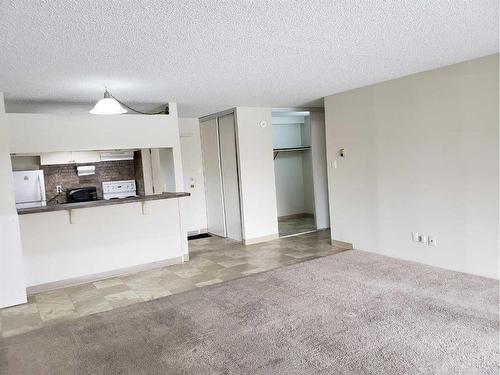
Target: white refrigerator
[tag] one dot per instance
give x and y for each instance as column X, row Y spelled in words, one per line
column 29, row 189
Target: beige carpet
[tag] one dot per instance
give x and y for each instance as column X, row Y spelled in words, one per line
column 351, row 313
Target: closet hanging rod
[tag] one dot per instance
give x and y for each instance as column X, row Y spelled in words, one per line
column 289, row 149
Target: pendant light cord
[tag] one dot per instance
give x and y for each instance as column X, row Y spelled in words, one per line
column 164, row 112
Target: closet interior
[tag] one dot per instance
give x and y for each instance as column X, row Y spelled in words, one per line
column 293, row 172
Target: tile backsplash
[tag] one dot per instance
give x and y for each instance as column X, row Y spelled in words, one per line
column 65, row 175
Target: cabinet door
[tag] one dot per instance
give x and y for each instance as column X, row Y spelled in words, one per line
column 50, row 158
column 85, row 156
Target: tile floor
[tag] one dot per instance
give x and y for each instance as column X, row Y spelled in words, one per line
column 213, row 260
column 291, row 226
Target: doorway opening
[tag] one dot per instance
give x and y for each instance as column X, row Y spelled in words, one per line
column 293, row 172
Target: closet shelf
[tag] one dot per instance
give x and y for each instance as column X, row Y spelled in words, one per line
column 289, row 149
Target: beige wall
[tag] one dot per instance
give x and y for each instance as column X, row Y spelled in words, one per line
column 12, row 287
column 421, row 155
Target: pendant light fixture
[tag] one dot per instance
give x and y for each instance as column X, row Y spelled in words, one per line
column 109, row 105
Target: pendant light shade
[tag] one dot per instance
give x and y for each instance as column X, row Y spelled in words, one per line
column 107, row 106
column 110, row 105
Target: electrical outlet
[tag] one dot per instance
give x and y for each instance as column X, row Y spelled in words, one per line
column 415, row 236
column 432, row 241
column 59, row 189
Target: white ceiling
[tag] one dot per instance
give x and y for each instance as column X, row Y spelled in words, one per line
column 211, row 55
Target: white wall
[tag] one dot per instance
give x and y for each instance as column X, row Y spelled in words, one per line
column 120, row 233
column 257, row 185
column 307, row 165
column 12, row 284
column 25, row 163
column 99, row 240
column 287, row 135
column 167, row 169
column 308, row 182
column 421, row 155
column 293, row 170
column 289, row 177
column 37, row 132
column 195, row 212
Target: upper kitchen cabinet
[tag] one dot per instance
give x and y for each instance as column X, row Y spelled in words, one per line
column 85, row 156
column 49, row 158
column 75, row 157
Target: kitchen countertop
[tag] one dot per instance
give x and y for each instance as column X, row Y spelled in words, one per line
column 100, row 202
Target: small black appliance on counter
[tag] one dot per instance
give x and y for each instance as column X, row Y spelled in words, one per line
column 84, row 194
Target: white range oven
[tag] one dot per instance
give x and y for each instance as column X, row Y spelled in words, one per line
column 119, row 189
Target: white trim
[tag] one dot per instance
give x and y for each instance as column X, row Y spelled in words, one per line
column 270, row 237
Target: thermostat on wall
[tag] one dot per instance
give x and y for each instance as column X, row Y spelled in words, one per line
column 263, row 124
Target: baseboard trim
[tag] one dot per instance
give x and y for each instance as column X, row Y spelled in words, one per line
column 294, row 216
column 251, row 241
column 342, row 244
column 102, row 275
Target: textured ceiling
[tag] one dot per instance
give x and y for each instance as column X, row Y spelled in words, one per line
column 210, row 55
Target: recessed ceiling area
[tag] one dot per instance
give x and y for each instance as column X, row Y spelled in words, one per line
column 212, row 55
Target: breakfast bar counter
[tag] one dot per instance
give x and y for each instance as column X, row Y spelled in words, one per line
column 71, row 243
column 100, row 202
